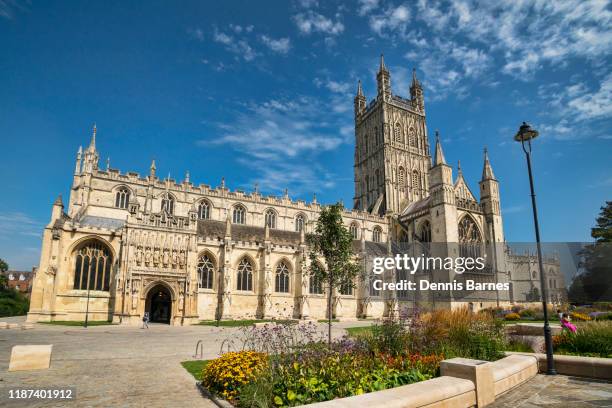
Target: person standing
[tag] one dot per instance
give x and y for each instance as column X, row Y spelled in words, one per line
column 145, row 320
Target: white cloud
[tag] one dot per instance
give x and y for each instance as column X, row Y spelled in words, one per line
column 333, row 86
column 279, row 140
column 18, row 223
column 311, row 22
column 9, row 7
column 586, row 105
column 196, row 33
column 240, row 47
column 366, row 6
column 281, row 45
column 391, row 20
column 591, row 105
column 528, row 33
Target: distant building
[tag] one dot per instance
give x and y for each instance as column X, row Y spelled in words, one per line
column 21, row 280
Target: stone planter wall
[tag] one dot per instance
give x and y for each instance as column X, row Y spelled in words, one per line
column 592, row 367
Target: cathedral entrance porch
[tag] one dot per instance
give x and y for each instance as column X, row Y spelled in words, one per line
column 159, row 304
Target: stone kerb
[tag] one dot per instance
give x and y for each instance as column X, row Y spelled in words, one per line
column 30, row 357
column 512, row 371
column 447, row 392
column 477, row 371
column 592, row 367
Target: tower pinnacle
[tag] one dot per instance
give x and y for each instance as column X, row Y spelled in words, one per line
column 487, row 170
column 92, row 144
column 152, row 168
column 439, row 158
column 382, row 63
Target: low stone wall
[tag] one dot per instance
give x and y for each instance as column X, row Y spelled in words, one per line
column 512, row 371
column 532, row 329
column 464, row 383
column 592, row 367
column 447, row 392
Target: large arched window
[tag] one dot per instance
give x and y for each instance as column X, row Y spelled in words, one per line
column 316, row 285
column 299, row 222
column 270, row 218
column 470, row 240
column 92, row 269
column 425, row 232
column 244, row 278
column 354, row 230
column 376, row 234
column 398, row 133
column 416, row 180
column 167, row 204
column 206, row 272
column 204, row 210
column 122, row 198
column 346, row 289
column 281, row 281
column 239, row 215
column 401, row 176
column 412, row 137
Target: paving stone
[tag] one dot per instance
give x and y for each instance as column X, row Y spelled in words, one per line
column 558, row 391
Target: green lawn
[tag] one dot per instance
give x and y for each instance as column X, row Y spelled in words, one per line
column 528, row 321
column 195, row 367
column 325, row 320
column 77, row 323
column 240, row 323
column 355, row 331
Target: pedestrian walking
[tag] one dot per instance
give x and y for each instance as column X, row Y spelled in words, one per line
column 145, row 320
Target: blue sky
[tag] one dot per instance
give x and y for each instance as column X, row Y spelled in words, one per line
column 262, row 92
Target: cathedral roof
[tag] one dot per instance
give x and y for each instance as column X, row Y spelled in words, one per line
column 101, row 222
column 216, row 229
column 416, row 206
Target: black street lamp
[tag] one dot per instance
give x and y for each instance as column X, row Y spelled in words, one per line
column 524, row 135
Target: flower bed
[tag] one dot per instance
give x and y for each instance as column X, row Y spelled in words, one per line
column 289, row 365
column 593, row 339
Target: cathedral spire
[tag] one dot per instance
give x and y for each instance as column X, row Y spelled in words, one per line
column 382, row 64
column 152, row 169
column 383, row 80
column 360, row 100
column 459, row 171
column 415, row 81
column 92, row 144
column 487, row 170
column 416, row 93
column 439, row 158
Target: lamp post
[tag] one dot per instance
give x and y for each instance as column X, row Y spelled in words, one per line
column 524, row 135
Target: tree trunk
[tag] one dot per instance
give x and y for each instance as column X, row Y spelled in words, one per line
column 329, row 312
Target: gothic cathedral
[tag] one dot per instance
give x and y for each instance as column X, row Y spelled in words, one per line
column 126, row 244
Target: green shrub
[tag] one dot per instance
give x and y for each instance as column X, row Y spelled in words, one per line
column 518, row 346
column 527, row 313
column 13, row 303
column 591, row 339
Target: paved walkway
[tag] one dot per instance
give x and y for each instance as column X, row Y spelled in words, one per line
column 113, row 366
column 556, row 392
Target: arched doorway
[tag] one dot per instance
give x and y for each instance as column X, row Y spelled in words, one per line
column 159, row 304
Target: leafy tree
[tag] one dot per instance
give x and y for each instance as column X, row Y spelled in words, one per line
column 3, row 279
column 332, row 242
column 12, row 303
column 595, row 283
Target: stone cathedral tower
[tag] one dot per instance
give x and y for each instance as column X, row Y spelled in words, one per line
column 392, row 156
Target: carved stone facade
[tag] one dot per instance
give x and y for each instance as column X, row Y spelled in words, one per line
column 127, row 245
